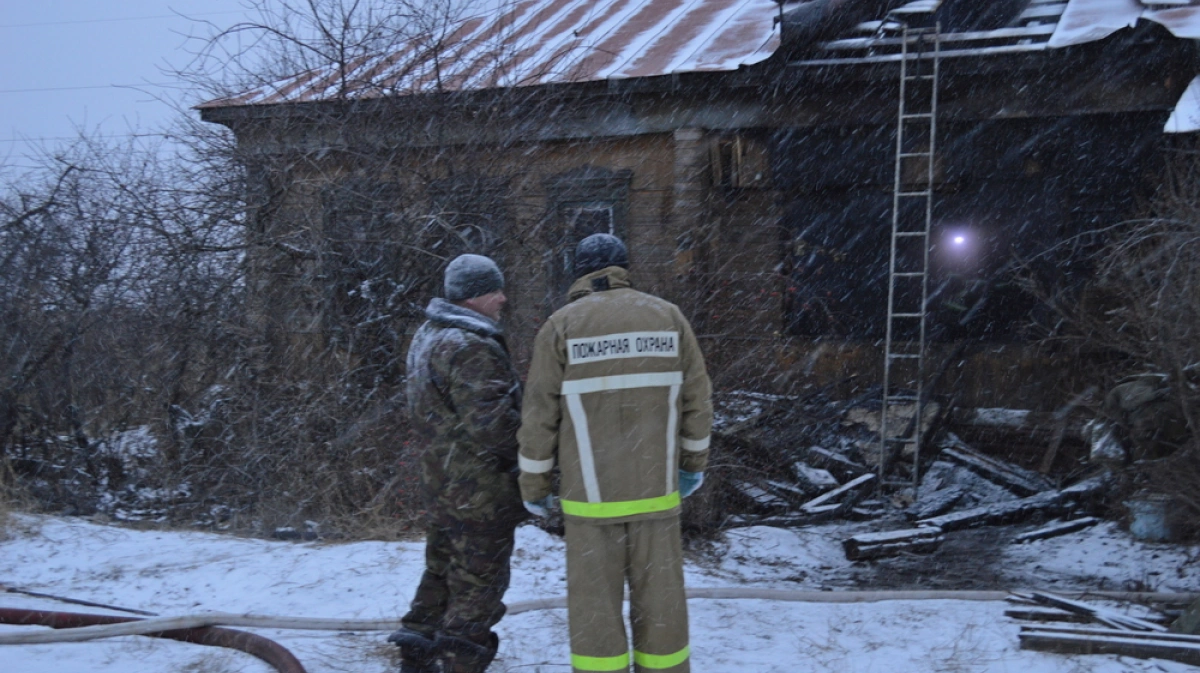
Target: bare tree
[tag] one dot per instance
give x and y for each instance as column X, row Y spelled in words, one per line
column 107, row 263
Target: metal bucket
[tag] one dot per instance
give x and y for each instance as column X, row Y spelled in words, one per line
column 1150, row 518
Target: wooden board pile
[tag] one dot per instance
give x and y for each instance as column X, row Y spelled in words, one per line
column 803, row 463
column 1094, row 629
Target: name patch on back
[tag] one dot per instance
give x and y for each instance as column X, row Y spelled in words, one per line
column 627, row 345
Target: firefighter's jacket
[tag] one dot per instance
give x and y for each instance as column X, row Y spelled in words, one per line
column 618, row 396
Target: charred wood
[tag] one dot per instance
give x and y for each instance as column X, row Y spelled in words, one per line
column 891, row 543
column 841, row 467
column 1049, row 502
column 758, row 496
column 1015, row 478
column 1044, row 614
column 816, row 515
column 818, row 20
column 1057, row 529
column 813, row 478
column 790, row 492
column 937, row 502
column 867, row 510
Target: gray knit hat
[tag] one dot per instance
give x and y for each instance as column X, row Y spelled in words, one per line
column 470, row 276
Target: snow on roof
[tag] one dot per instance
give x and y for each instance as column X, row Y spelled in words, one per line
column 535, row 42
column 538, row 42
column 1090, row 20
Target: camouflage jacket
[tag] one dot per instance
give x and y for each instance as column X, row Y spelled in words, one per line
column 464, row 400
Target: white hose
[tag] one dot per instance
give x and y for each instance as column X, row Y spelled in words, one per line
column 143, row 626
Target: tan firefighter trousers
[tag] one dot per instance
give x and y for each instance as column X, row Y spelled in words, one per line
column 600, row 557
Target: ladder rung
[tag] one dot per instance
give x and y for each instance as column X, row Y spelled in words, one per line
column 908, row 315
column 908, row 274
column 917, row 115
column 909, row 234
column 912, row 77
column 927, row 192
column 901, row 398
column 906, row 356
column 913, row 155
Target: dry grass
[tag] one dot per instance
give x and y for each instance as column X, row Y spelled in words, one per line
column 6, row 504
column 12, row 499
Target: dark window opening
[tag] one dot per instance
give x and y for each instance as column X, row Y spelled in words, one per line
column 582, row 202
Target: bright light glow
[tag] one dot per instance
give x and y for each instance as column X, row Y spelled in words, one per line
column 959, row 240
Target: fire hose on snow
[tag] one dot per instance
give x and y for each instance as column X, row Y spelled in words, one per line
column 204, row 628
column 268, row 650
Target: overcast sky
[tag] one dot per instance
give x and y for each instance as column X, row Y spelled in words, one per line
column 93, row 64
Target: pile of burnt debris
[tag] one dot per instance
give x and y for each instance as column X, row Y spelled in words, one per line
column 794, row 462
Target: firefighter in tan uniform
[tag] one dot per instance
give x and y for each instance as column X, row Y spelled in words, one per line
column 618, row 397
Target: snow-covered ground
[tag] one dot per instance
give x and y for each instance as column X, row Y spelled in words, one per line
column 181, row 573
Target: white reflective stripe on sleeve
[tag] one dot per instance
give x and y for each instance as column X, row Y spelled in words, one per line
column 672, row 424
column 535, row 466
column 695, row 445
column 587, row 462
column 621, row 382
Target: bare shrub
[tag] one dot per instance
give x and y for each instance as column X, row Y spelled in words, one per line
column 1141, row 313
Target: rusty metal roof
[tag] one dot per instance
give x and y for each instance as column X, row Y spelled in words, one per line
column 533, row 42
column 538, row 42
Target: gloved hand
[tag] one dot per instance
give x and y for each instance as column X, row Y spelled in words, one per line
column 540, row 508
column 689, row 482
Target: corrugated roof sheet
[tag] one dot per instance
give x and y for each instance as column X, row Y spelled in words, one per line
column 536, row 42
column 554, row 41
column 1089, row 20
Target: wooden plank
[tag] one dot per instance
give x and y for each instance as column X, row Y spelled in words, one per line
column 1064, row 640
column 891, row 543
column 1061, row 528
column 1100, row 613
column 1016, row 479
column 1093, row 630
column 1044, row 614
column 838, row 492
column 759, row 496
column 937, row 502
column 997, row 513
column 838, row 465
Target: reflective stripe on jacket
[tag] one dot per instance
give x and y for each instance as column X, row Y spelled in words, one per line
column 618, row 396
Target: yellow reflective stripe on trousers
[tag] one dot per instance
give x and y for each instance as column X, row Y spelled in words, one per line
column 617, row 663
column 609, row 510
column 661, row 660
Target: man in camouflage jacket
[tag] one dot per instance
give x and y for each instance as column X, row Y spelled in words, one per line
column 464, row 399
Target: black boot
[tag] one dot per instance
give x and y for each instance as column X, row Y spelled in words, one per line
column 460, row 655
column 418, row 652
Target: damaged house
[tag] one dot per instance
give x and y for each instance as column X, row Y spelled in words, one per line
column 745, row 149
